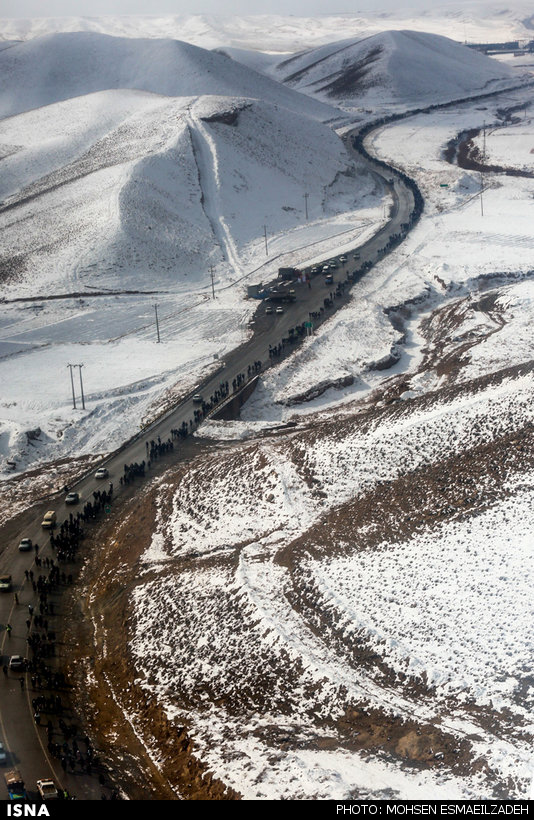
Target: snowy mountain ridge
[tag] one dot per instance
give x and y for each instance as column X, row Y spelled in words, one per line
column 57, row 67
column 406, row 67
column 469, row 20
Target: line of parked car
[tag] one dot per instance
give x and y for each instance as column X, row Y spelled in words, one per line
column 17, row 663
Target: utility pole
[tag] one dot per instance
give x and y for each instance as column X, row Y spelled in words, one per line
column 79, row 366
column 483, row 166
column 212, row 282
column 72, row 385
column 306, row 205
column 157, row 323
column 265, row 235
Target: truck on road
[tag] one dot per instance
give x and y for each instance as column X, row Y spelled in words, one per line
column 282, row 296
column 15, row 785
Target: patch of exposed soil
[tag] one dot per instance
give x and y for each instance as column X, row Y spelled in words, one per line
column 85, row 294
column 448, row 347
column 352, row 79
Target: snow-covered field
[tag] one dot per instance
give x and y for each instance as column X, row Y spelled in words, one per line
column 271, row 619
column 509, row 145
column 123, row 378
column 347, row 608
column 453, row 625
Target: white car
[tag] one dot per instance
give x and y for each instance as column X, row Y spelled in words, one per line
column 47, row 790
column 49, row 520
column 279, row 309
column 102, row 472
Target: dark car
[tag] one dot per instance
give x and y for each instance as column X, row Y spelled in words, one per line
column 5, row 583
column 25, row 545
column 72, row 498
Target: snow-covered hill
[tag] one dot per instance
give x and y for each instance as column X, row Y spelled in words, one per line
column 393, row 67
column 131, row 189
column 61, row 66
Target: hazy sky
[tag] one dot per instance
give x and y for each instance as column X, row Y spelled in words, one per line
column 94, row 8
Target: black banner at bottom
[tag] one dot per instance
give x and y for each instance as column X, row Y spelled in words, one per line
column 116, row 809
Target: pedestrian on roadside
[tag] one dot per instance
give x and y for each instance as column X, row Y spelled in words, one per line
column 16, row 598
column 21, row 681
column 8, row 630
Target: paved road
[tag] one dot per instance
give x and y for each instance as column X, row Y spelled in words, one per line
column 27, row 742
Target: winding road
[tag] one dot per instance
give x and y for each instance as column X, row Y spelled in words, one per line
column 24, row 740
